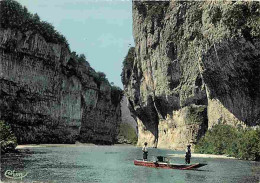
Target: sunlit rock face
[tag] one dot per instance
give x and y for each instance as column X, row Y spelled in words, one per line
column 194, row 65
column 48, row 97
column 126, row 114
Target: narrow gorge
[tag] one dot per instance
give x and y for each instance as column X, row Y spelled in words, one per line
column 194, row 65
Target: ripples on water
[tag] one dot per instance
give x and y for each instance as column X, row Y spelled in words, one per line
column 115, row 164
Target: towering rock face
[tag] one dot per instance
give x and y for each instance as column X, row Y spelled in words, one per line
column 49, row 97
column 195, row 64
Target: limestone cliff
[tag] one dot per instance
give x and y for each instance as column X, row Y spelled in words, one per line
column 47, row 96
column 195, row 64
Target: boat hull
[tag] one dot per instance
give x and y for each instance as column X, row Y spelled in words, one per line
column 167, row 165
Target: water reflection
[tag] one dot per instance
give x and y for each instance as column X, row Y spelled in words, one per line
column 192, row 177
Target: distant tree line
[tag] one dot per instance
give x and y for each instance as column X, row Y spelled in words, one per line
column 14, row 15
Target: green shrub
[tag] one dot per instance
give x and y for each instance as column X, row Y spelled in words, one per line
column 98, row 77
column 195, row 114
column 244, row 17
column 80, row 58
column 14, row 15
column 225, row 139
column 249, row 145
column 128, row 132
column 236, row 15
column 7, row 138
column 215, row 14
column 196, row 15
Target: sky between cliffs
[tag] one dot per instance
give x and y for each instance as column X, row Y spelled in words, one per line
column 100, row 29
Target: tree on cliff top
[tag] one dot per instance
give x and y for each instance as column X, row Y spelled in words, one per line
column 14, row 15
column 128, row 65
column 116, row 94
column 80, row 58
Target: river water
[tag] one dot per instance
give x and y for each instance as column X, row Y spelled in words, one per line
column 73, row 164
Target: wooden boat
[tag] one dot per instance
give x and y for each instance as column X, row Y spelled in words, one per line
column 166, row 165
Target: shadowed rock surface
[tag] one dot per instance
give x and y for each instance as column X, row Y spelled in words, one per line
column 195, row 64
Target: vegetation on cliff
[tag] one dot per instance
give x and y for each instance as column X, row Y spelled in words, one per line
column 128, row 66
column 14, row 15
column 155, row 10
column 127, row 134
column 243, row 17
column 80, row 58
column 7, row 138
column 116, row 94
column 225, row 139
column 196, row 114
column 99, row 77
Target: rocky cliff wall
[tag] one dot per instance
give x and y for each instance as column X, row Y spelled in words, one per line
column 49, row 97
column 195, row 64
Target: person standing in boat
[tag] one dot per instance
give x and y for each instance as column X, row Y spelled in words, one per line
column 145, row 152
column 188, row 155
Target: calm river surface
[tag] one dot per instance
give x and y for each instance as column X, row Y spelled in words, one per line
column 72, row 164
